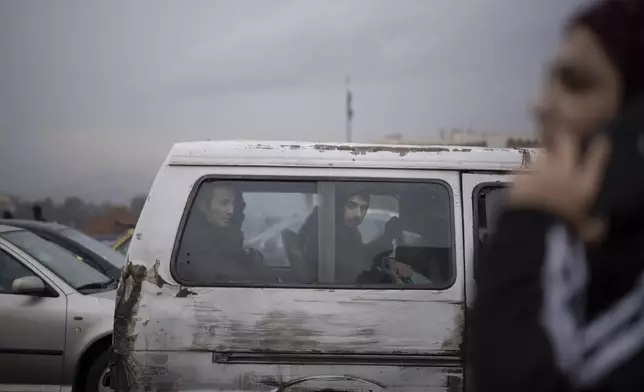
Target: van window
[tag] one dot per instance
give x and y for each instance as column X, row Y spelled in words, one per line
column 489, row 201
column 312, row 233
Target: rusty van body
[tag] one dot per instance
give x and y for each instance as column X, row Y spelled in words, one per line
column 183, row 326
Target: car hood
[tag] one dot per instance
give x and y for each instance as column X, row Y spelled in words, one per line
column 105, row 294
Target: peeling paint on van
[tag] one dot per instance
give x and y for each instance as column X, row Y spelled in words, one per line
column 206, row 323
column 153, row 276
column 169, row 337
column 294, row 154
column 455, row 340
column 526, row 158
column 365, row 149
column 124, row 369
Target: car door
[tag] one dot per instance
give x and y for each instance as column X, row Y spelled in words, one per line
column 32, row 331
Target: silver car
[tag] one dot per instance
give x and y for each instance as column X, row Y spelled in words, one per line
column 57, row 317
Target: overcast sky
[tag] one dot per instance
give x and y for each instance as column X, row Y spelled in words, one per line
column 94, row 93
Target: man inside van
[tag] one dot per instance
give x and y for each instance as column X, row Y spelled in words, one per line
column 212, row 244
column 350, row 253
column 352, row 256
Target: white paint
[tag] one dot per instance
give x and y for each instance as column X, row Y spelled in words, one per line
column 297, row 154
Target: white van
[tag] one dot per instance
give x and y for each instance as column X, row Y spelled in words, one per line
column 268, row 266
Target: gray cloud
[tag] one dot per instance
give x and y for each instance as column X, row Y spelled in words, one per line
column 93, row 94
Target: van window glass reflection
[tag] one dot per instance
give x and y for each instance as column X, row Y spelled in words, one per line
column 269, row 232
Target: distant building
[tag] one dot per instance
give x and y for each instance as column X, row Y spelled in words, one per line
column 7, row 204
column 471, row 138
column 524, row 142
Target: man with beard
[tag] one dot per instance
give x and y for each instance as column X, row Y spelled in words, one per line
column 352, row 256
column 212, row 245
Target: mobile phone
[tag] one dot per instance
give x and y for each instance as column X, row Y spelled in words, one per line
column 621, row 197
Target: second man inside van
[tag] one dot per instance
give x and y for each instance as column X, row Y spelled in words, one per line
column 353, row 258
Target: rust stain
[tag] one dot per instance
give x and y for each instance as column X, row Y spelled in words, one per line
column 291, row 146
column 124, row 370
column 455, row 340
column 154, row 371
column 246, row 382
column 366, row 332
column 526, row 158
column 454, row 383
column 364, row 150
column 153, row 276
column 184, row 292
column 262, row 146
column 159, row 359
column 274, row 330
column 270, row 381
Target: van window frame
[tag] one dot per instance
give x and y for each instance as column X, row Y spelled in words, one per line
column 314, row 286
column 475, row 212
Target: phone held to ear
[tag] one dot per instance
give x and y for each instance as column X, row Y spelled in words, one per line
column 621, row 197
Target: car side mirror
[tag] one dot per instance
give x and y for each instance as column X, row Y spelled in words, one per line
column 28, row 285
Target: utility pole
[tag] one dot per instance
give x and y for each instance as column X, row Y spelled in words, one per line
column 349, row 135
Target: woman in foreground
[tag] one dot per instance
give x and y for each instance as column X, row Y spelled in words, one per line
column 560, row 295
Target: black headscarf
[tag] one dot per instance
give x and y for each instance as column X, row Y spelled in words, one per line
column 616, row 264
column 619, row 27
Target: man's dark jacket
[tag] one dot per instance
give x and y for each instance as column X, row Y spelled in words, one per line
column 212, row 254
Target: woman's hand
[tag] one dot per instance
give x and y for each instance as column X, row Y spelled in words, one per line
column 566, row 184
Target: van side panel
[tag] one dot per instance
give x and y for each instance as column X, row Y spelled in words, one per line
column 169, row 337
column 194, row 371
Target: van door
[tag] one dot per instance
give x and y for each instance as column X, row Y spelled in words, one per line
column 482, row 198
column 300, row 308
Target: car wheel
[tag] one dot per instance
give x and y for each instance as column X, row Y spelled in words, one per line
column 98, row 375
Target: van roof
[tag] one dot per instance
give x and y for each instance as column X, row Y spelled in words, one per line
column 347, row 155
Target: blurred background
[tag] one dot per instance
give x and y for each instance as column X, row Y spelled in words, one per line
column 94, row 93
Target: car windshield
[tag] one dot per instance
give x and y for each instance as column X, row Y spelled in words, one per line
column 107, row 253
column 58, row 260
